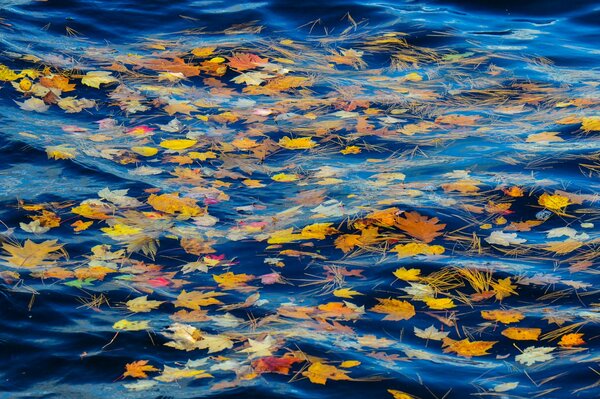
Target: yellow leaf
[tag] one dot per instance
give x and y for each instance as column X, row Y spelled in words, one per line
column 145, row 151
column 522, row 333
column 351, row 150
column 413, row 77
column 96, row 78
column 439, row 303
column 31, row 254
column 119, row 230
column 142, row 304
column 503, row 288
column 302, row 143
column 318, row 231
column 177, row 144
column 202, row 156
column 591, row 123
column 554, row 202
column 345, row 293
column 394, row 309
column 319, row 373
column 171, row 374
column 195, row 299
column 350, row 363
column 231, row 280
column 503, row 316
column 467, row 348
column 7, row 74
column 127, row 325
column 203, row 51
column 399, row 394
column 173, row 204
column 416, row 248
column 285, row 177
column 407, row 274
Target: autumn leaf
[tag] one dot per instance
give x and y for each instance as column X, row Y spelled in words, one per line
column 532, row 355
column 394, row 309
column 196, row 299
column 417, row 248
column 407, row 274
column 175, row 205
column 571, row 340
column 171, row 374
column 127, row 325
column 142, row 304
column 431, row 333
column 31, row 254
column 345, row 293
column 420, row 227
column 439, row 303
column 245, row 61
column 177, row 144
column 273, row 364
column 555, row 202
column 467, row 348
column 503, row 316
column 522, row 333
column 301, row 143
column 319, row 373
column 138, row 369
column 503, row 288
column 96, row 78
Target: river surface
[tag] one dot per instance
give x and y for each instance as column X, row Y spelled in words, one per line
column 315, row 199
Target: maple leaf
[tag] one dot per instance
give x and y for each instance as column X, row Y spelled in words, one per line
column 439, row 303
column 173, row 204
column 31, row 255
column 195, row 299
column 570, row 340
column 231, row 280
column 407, row 274
column 431, row 333
column 138, row 369
column 142, row 304
column 319, row 373
column 420, row 227
column 214, row 343
column 503, row 288
column 245, row 61
column 394, row 309
column 260, row 348
column 555, row 202
column 273, row 364
column 534, row 354
column 96, row 78
column 467, row 348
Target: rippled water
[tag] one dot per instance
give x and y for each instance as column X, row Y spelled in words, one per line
column 383, row 136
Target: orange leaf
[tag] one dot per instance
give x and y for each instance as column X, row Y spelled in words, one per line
column 420, row 227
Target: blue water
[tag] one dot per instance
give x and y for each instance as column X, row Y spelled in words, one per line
column 514, row 65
